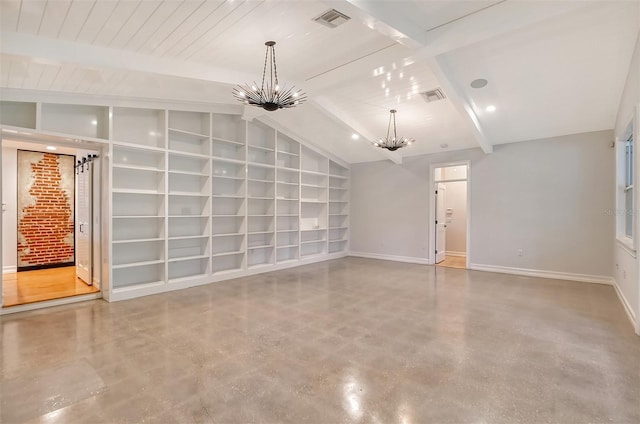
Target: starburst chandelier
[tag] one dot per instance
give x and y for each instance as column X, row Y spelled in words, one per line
column 269, row 96
column 395, row 142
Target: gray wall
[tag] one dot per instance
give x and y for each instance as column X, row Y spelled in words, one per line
column 547, row 197
column 625, row 269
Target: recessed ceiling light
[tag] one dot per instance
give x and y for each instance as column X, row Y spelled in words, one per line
column 355, row 136
column 491, row 108
column 52, row 148
column 479, row 83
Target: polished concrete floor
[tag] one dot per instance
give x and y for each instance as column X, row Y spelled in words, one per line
column 344, row 341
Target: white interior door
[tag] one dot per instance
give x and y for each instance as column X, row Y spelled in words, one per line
column 83, row 223
column 441, row 226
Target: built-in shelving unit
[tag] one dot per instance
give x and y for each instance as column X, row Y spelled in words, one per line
column 189, row 189
column 338, row 207
column 199, row 196
column 229, row 194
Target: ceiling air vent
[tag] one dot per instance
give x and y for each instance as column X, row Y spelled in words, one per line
column 433, row 95
column 332, row 18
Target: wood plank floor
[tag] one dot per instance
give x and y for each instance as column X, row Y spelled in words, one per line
column 454, row 262
column 44, row 284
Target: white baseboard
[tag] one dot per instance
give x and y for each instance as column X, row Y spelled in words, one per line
column 408, row 259
column 9, row 269
column 627, row 307
column 584, row 278
column 459, row 254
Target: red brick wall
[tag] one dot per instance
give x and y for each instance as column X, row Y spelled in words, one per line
column 45, row 220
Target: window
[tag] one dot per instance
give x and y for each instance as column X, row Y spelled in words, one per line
column 628, row 187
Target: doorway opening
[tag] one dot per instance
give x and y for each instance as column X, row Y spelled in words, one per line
column 51, row 220
column 450, row 214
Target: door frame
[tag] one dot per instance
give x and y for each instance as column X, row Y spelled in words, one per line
column 432, row 208
column 35, row 137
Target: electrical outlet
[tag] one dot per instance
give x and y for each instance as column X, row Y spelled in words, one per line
column 520, row 252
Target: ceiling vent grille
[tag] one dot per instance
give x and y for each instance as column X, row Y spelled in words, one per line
column 332, row 18
column 433, row 95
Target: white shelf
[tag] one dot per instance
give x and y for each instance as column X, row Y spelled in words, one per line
column 313, row 201
column 137, row 168
column 314, row 185
column 138, row 146
column 314, row 229
column 338, row 228
column 264, row 246
column 187, row 237
column 286, row 246
column 188, row 258
column 187, row 154
column 137, row 216
column 287, row 231
column 337, row 240
column 223, row 140
column 137, row 191
column 228, row 178
column 196, row 174
column 178, row 131
column 228, row 235
column 236, row 252
column 187, row 194
column 142, row 240
column 259, row 232
column 268, row 149
column 226, row 196
column 288, row 153
column 134, row 264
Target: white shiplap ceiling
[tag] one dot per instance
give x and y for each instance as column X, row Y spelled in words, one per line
column 547, row 62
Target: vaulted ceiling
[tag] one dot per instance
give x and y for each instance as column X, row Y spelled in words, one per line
column 552, row 68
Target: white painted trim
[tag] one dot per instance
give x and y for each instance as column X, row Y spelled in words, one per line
column 627, row 307
column 583, row 278
column 394, row 258
column 9, row 269
column 49, row 303
column 624, row 245
column 133, row 292
column 432, row 211
column 457, row 254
